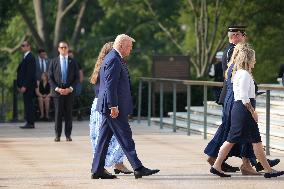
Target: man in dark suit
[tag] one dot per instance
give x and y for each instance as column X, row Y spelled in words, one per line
column 63, row 76
column 42, row 64
column 115, row 104
column 26, row 82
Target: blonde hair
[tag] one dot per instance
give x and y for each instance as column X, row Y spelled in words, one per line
column 243, row 57
column 104, row 51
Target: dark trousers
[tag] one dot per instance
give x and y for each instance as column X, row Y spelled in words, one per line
column 29, row 106
column 63, row 107
column 120, row 128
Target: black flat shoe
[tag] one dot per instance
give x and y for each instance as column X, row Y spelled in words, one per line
column 143, row 171
column 228, row 168
column 272, row 163
column 216, row 172
column 103, row 175
column 117, row 171
column 273, row 174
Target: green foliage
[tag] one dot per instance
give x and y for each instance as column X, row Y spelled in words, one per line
column 104, row 19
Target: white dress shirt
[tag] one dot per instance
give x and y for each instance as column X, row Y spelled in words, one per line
column 26, row 53
column 118, row 52
column 243, row 86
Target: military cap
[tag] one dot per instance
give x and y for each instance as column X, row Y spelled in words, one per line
column 237, row 29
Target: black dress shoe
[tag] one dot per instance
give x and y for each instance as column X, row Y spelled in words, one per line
column 143, row 171
column 103, row 175
column 273, row 174
column 117, row 171
column 28, row 126
column 228, row 168
column 57, row 139
column 272, row 163
column 68, row 139
column 216, row 172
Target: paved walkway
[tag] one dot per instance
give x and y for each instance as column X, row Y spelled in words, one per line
column 30, row 159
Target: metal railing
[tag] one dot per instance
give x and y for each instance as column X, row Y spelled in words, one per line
column 188, row 84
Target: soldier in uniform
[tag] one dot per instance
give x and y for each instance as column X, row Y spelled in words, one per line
column 236, row 34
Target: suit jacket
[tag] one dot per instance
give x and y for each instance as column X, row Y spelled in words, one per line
column 26, row 72
column 54, row 73
column 225, row 60
column 114, row 85
column 38, row 70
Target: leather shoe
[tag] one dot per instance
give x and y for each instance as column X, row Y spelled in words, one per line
column 103, row 175
column 274, row 173
column 27, row 126
column 272, row 163
column 248, row 171
column 216, row 172
column 143, row 171
column 68, row 139
column 228, row 168
column 117, row 171
column 57, row 139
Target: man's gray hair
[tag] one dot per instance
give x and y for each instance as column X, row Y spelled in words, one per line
column 121, row 38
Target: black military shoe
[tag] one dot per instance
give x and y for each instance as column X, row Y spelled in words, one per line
column 273, row 174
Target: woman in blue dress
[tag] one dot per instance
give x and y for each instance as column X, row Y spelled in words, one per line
column 243, row 151
column 244, row 128
column 115, row 153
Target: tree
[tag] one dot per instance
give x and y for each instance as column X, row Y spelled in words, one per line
column 41, row 33
column 208, row 19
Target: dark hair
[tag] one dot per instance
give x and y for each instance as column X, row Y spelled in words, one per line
column 63, row 42
column 40, row 51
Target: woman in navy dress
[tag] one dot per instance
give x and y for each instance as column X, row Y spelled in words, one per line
column 213, row 147
column 244, row 128
column 115, row 153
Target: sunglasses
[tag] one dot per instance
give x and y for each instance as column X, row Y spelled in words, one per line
column 63, row 47
column 24, row 45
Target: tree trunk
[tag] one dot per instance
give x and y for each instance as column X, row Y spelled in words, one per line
column 75, row 35
column 41, row 23
column 30, row 25
column 58, row 25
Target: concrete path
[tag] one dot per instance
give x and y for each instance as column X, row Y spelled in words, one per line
column 30, row 159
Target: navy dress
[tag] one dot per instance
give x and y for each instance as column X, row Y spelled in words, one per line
column 213, row 147
column 244, row 129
